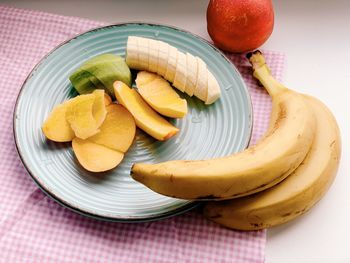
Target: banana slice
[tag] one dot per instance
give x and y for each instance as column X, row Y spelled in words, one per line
column 163, row 54
column 143, row 49
column 201, row 90
column 172, row 63
column 213, row 89
column 181, row 72
column 153, row 55
column 192, row 70
column 132, row 54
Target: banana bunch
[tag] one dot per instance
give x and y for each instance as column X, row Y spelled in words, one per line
column 272, row 182
column 297, row 193
column 186, row 72
column 300, row 191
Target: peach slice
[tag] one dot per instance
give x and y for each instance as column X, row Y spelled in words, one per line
column 56, row 127
column 158, row 93
column 105, row 150
column 94, row 157
column 118, row 130
column 145, row 117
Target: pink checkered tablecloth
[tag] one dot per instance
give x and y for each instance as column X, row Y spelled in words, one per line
column 33, row 228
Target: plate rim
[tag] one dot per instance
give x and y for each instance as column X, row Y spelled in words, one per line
column 77, row 209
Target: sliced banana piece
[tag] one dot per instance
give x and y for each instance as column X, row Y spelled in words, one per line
column 163, row 55
column 172, row 63
column 201, row 90
column 132, row 53
column 213, row 89
column 192, row 70
column 143, row 49
column 181, row 72
column 153, row 55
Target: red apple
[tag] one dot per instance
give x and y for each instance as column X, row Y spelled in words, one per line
column 240, row 25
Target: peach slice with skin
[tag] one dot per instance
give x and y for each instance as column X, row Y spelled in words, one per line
column 158, row 93
column 105, row 150
column 145, row 117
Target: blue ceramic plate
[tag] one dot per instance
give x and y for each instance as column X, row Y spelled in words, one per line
column 206, row 132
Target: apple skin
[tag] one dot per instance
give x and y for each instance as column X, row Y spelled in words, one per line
column 240, row 25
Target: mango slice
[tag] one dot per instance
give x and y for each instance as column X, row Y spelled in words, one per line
column 158, row 93
column 86, row 113
column 94, row 157
column 106, row 149
column 56, row 127
column 145, row 117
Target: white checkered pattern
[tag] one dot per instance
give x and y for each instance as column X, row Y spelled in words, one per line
column 33, row 228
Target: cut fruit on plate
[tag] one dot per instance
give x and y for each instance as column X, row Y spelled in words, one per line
column 94, row 157
column 100, row 72
column 186, row 72
column 163, row 55
column 171, row 65
column 56, row 127
column 153, row 55
column 85, row 114
column 181, row 72
column 213, row 89
column 201, row 90
column 192, row 70
column 145, row 117
column 105, row 150
column 82, row 81
column 108, row 69
column 132, row 54
column 158, row 93
column 118, row 130
column 144, row 52
column 99, row 107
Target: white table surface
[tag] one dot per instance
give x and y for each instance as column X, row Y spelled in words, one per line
column 315, row 35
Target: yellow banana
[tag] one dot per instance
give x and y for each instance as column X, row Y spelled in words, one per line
column 297, row 193
column 259, row 167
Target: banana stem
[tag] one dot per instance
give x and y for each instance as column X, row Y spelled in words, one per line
column 263, row 74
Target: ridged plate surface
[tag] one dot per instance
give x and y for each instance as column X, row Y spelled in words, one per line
column 206, row 132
